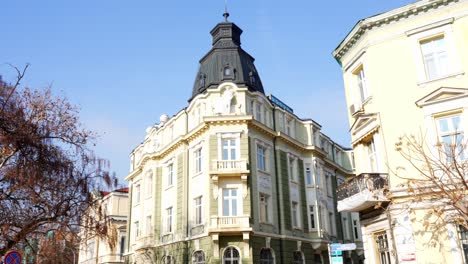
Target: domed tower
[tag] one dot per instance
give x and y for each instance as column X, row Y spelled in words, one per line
column 226, row 61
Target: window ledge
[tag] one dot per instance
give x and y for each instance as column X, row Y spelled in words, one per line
column 169, row 187
column 197, row 174
column 263, row 171
column 456, row 74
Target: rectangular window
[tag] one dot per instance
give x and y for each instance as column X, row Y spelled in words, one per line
column 435, row 57
column 383, row 250
column 198, row 210
column 149, row 184
column 264, row 199
column 356, row 229
column 258, row 112
column 288, row 125
column 137, row 193
column 331, row 222
column 137, row 229
column 308, row 175
column 361, row 84
column 312, row 217
column 295, row 216
column 170, row 174
column 198, row 160
column 345, row 223
column 229, row 202
column 169, row 220
column 328, row 182
column 91, row 246
column 261, row 157
column 122, row 245
column 229, row 148
column 451, row 136
column 292, row 169
column 372, row 156
column 149, row 225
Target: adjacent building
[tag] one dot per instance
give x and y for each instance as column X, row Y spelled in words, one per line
column 236, row 176
column 405, row 73
column 96, row 250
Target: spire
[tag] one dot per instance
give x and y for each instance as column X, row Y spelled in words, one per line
column 226, row 61
column 226, row 14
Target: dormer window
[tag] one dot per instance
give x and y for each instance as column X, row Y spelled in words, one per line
column 201, row 80
column 227, row 71
column 252, row 77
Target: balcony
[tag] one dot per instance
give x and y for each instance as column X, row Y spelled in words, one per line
column 362, row 192
column 229, row 167
column 145, row 242
column 229, row 224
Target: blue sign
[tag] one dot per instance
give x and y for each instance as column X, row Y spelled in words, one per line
column 280, row 104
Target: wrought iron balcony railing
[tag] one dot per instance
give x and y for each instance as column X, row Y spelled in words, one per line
column 363, row 182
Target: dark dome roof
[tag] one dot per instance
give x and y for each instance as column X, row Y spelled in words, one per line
column 226, row 61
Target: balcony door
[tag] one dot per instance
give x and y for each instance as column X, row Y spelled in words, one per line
column 229, row 149
column 230, row 202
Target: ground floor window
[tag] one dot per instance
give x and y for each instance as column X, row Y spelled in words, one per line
column 168, row 259
column 231, row 256
column 464, row 241
column 198, row 257
column 266, row 257
column 383, row 251
column 298, row 258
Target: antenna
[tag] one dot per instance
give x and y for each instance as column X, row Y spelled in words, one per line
column 226, row 14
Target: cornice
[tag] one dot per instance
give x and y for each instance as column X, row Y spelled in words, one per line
column 386, row 18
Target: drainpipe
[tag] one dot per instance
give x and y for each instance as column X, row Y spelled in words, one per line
column 277, row 187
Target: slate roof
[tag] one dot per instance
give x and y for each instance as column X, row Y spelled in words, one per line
column 226, row 53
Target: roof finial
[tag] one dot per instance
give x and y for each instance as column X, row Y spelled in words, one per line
column 226, row 14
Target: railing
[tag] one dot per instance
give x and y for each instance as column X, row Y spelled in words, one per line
column 220, row 222
column 364, row 181
column 147, row 241
column 229, row 165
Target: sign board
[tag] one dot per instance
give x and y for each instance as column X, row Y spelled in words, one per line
column 13, row 257
column 342, row 247
column 337, row 260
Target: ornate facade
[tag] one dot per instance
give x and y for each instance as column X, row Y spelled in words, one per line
column 236, row 176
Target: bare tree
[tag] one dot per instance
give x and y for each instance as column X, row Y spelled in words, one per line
column 47, row 171
column 441, row 181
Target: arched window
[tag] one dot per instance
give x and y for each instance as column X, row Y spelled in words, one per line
column 168, row 259
column 231, row 256
column 266, row 257
column 227, row 71
column 198, row 257
column 297, row 258
column 232, row 105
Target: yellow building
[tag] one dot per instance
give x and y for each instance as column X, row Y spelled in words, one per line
column 95, row 250
column 405, row 73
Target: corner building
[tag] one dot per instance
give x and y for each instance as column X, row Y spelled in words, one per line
column 236, row 176
column 405, row 73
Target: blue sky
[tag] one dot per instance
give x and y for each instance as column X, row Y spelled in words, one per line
column 124, row 63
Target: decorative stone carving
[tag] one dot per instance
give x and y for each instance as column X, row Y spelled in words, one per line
column 244, row 185
column 214, row 179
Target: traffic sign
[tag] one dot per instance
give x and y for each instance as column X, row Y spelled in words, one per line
column 13, row 257
column 337, row 260
column 336, row 252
